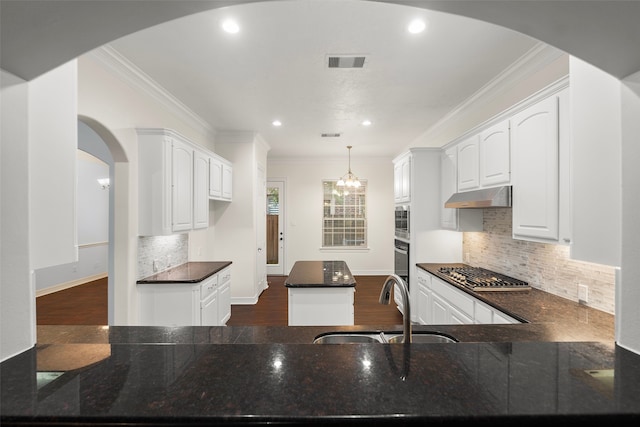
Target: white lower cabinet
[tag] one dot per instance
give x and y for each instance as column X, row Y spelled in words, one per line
column 440, row 303
column 320, row 306
column 224, row 296
column 205, row 303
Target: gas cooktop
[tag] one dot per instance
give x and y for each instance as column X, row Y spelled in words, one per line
column 480, row 279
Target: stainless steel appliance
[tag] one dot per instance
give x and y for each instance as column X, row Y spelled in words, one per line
column 402, row 220
column 496, row 197
column 480, row 279
column 401, row 268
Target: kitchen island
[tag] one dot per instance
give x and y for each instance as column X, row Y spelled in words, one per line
column 320, row 293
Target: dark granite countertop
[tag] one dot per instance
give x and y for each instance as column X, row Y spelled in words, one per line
column 561, row 366
column 320, row 274
column 189, row 272
column 297, row 384
column 572, row 321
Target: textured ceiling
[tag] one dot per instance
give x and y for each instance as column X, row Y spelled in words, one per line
column 276, row 68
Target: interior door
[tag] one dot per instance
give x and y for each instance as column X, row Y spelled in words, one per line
column 275, row 227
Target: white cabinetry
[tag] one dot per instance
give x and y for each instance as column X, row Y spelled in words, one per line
column 469, row 164
column 495, row 155
column 425, row 299
column 205, row 303
column 200, row 189
column 320, row 306
column 452, row 218
column 402, row 179
column 440, row 303
column 220, row 179
column 428, row 242
column 535, row 142
column 224, row 296
column 174, row 177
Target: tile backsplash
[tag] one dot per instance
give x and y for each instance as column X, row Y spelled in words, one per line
column 545, row 266
column 165, row 251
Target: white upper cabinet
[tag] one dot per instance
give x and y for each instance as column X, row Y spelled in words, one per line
column 452, row 218
column 469, row 164
column 173, row 179
column 495, row 155
column 220, row 179
column 402, row 180
column 448, row 186
column 181, row 185
column 200, row 189
column 535, row 144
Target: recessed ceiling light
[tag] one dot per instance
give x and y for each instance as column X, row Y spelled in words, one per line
column 416, row 26
column 366, row 123
column 230, row 26
column 276, row 123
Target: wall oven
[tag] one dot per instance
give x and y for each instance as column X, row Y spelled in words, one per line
column 402, row 215
column 401, row 268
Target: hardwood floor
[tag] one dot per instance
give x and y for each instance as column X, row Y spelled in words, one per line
column 271, row 309
column 87, row 305
column 81, row 305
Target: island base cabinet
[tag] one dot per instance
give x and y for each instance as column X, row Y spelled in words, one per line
column 321, row 306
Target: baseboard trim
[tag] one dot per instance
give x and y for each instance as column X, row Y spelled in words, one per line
column 244, row 300
column 67, row 285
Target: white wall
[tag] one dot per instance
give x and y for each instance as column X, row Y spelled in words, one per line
column 235, row 230
column 627, row 287
column 93, row 231
column 121, row 100
column 595, row 164
column 303, row 199
column 17, row 305
column 53, row 138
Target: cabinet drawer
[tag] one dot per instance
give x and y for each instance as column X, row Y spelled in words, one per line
column 455, row 297
column 208, row 287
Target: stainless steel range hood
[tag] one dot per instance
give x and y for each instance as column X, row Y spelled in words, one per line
column 496, row 197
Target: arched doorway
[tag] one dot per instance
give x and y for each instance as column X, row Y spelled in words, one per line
column 117, row 266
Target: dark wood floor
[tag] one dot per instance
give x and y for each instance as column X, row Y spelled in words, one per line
column 87, row 305
column 81, row 305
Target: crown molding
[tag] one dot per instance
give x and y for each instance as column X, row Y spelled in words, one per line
column 119, row 65
column 534, row 60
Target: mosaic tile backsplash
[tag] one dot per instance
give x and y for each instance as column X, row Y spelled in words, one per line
column 545, row 266
column 163, row 251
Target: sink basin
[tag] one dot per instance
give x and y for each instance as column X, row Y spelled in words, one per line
column 347, row 338
column 421, row 338
column 380, row 337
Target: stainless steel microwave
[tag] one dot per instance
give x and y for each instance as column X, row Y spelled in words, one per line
column 402, row 215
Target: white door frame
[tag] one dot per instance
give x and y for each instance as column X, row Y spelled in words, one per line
column 280, row 268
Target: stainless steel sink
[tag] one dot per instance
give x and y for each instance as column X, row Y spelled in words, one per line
column 420, row 338
column 347, row 338
column 381, row 337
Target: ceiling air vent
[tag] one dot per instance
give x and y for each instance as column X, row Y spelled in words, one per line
column 346, row 61
column 330, row 135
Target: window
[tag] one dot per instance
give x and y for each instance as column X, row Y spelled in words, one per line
column 344, row 219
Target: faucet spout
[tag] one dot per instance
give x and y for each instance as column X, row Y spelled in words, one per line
column 385, row 298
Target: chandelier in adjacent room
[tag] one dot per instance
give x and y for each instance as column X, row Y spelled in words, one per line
column 349, row 179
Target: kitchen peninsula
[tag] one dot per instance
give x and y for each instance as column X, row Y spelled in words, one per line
column 320, row 293
column 563, row 365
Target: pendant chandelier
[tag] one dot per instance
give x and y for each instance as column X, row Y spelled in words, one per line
column 349, row 180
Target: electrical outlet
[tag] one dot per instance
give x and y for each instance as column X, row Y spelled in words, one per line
column 583, row 294
column 155, row 265
column 467, row 257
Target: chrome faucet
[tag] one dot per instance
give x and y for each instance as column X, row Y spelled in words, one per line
column 385, row 297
